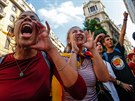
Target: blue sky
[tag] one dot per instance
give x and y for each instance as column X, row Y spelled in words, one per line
column 63, row 14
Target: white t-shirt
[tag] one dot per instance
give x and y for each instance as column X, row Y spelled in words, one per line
column 109, row 84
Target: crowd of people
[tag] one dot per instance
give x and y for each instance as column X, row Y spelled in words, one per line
column 26, row 74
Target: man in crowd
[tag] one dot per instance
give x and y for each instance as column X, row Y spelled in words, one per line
column 115, row 56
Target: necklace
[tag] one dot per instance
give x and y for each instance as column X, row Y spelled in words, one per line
column 21, row 74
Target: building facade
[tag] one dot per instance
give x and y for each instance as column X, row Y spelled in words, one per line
column 130, row 5
column 9, row 12
column 55, row 40
column 94, row 9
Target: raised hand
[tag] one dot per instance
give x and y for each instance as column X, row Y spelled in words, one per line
column 125, row 15
column 90, row 44
column 43, row 41
column 98, row 37
column 74, row 46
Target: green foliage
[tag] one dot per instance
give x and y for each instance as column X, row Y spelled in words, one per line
column 89, row 25
column 94, row 26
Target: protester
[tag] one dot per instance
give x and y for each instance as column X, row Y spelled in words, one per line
column 131, row 63
column 25, row 75
column 81, row 53
column 109, row 84
column 115, row 56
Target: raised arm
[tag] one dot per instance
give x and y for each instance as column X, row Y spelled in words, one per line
column 69, row 76
column 99, row 67
column 123, row 30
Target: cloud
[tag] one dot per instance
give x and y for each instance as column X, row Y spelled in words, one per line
column 61, row 14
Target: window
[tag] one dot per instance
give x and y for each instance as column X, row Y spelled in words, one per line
column 14, row 8
column 10, row 30
column 12, row 18
column 23, row 6
column 7, row 43
column 97, row 19
column 92, row 8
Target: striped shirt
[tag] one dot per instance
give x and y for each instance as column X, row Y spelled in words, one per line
column 87, row 72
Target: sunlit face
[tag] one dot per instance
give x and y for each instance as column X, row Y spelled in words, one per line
column 108, row 43
column 99, row 47
column 76, row 34
column 25, row 29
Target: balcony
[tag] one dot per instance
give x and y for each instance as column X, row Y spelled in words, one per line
column 4, row 2
column 20, row 6
column 2, row 14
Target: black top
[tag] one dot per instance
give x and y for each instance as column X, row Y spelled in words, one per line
column 120, row 68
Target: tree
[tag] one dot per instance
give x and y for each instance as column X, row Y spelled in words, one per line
column 94, row 26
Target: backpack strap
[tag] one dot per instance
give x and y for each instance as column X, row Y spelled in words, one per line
column 1, row 58
column 51, row 72
column 106, row 56
column 116, row 49
column 48, row 63
column 43, row 53
column 46, row 59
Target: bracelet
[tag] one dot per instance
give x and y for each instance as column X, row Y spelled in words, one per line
column 125, row 19
column 118, row 82
column 61, row 69
column 121, row 83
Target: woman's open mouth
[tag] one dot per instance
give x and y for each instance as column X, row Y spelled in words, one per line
column 80, row 38
column 26, row 30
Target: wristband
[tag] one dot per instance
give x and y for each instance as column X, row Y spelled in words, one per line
column 118, row 82
column 62, row 68
column 125, row 19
